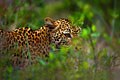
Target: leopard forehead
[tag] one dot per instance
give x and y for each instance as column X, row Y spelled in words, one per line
column 62, row 21
column 62, row 25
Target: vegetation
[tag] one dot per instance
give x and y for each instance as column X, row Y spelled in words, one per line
column 91, row 56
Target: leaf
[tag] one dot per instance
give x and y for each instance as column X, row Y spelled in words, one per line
column 85, row 33
column 51, row 56
column 85, row 65
column 42, row 62
column 93, row 28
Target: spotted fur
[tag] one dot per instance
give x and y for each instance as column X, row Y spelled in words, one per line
column 26, row 45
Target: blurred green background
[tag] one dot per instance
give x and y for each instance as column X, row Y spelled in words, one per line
column 94, row 55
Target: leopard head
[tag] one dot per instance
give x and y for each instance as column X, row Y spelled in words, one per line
column 62, row 31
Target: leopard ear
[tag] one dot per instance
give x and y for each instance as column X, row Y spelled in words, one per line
column 49, row 21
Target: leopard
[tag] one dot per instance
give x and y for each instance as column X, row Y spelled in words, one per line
column 27, row 45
